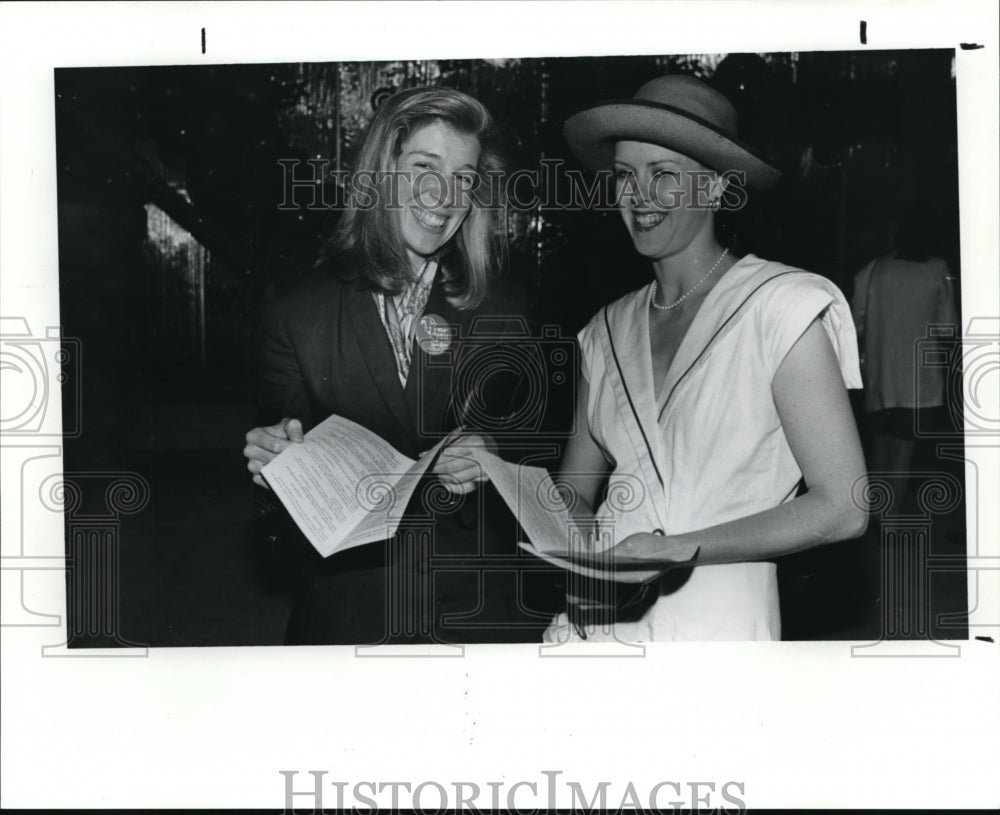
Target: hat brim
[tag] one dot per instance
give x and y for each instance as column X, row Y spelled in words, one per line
column 592, row 134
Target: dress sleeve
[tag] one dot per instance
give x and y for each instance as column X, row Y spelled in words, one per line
column 789, row 307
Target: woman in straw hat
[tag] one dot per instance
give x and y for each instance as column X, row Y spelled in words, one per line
column 712, row 392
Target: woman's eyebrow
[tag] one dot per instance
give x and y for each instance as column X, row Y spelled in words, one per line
column 432, row 154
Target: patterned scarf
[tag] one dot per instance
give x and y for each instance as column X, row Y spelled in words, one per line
column 400, row 314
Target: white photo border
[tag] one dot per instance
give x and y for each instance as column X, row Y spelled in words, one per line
column 797, row 724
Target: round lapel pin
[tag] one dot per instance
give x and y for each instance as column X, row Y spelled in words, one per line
column 433, row 334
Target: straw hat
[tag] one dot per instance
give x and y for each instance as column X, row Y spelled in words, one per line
column 678, row 112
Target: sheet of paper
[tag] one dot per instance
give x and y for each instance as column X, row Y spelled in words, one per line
column 621, row 570
column 344, row 485
column 532, row 496
column 381, row 522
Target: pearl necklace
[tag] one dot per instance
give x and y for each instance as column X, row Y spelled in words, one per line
column 689, row 292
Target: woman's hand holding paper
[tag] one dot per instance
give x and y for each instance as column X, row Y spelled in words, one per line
column 264, row 443
column 457, row 468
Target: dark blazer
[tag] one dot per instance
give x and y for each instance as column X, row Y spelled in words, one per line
column 325, row 351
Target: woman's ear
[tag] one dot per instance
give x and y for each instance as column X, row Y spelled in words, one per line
column 717, row 189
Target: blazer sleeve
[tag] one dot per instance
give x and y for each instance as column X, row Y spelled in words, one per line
column 281, row 386
column 281, row 393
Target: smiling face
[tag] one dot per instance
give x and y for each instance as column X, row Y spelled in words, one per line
column 437, row 163
column 664, row 197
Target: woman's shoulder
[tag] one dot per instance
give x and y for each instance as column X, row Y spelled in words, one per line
column 624, row 308
column 785, row 300
column 315, row 287
column 776, row 298
column 304, row 289
column 772, row 279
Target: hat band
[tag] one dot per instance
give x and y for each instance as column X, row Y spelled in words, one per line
column 686, row 114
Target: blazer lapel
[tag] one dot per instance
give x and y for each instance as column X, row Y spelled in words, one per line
column 430, row 375
column 377, row 354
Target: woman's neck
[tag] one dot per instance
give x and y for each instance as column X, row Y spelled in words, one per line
column 693, row 271
column 416, row 267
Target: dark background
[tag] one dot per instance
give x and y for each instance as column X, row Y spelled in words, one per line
column 170, row 228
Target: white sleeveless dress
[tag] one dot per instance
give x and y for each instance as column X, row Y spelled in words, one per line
column 709, row 447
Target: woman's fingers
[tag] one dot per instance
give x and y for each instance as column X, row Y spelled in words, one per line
column 262, row 438
column 255, row 452
column 255, row 464
column 450, row 463
column 462, row 483
column 293, row 429
column 459, row 475
column 275, row 438
column 456, row 467
column 470, row 476
column 264, row 443
column 459, row 468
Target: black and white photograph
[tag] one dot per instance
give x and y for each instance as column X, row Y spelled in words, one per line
column 503, row 397
column 228, row 264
